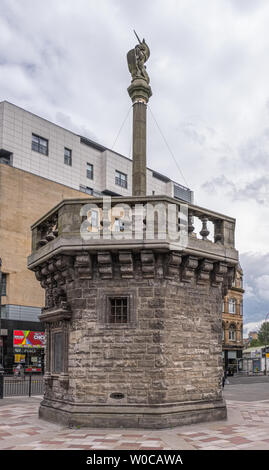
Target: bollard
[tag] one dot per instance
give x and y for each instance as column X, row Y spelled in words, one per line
column 1, row 382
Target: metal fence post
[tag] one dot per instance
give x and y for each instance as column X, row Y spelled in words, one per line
column 30, row 384
column 1, row 382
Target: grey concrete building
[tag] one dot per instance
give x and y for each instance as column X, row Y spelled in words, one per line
column 38, row 146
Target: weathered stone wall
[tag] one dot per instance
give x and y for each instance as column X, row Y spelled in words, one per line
column 169, row 353
column 173, row 355
column 168, row 357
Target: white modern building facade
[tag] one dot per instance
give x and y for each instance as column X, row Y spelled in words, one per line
column 35, row 145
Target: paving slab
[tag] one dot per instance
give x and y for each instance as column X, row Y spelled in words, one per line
column 247, row 427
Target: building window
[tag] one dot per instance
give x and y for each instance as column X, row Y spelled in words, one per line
column 241, row 307
column 6, row 157
column 232, row 306
column 67, row 156
column 90, row 171
column 4, row 285
column 39, row 144
column 180, row 192
column 118, row 310
column 86, row 189
column 121, row 179
column 232, row 333
column 57, row 352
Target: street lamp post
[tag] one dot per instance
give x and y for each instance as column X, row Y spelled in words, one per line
column 266, row 340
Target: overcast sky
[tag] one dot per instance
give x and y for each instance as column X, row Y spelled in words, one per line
column 65, row 60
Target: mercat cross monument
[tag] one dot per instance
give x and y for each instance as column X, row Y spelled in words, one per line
column 133, row 300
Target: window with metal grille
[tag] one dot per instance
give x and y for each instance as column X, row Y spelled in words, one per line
column 39, row 144
column 118, row 310
column 67, row 156
column 121, row 179
column 90, row 171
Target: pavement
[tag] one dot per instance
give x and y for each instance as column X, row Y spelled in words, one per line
column 247, row 428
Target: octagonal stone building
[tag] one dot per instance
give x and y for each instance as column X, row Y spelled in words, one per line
column 132, row 315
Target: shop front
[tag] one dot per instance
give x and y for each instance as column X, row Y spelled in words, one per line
column 28, row 350
column 232, row 361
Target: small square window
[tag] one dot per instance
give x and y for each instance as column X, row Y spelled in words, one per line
column 90, row 171
column 67, row 156
column 39, row 144
column 118, row 310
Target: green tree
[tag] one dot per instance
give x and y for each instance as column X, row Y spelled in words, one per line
column 255, row 342
column 263, row 333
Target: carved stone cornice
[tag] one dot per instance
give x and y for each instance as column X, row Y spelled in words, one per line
column 204, row 270
column 52, row 315
column 126, row 264
column 83, row 266
column 148, row 263
column 218, row 273
column 173, row 263
column 189, row 266
column 57, row 272
column 64, row 264
column 104, row 262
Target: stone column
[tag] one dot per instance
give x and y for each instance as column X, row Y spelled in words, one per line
column 139, row 149
column 140, row 92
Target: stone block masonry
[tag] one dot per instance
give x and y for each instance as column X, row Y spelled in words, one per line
column 161, row 368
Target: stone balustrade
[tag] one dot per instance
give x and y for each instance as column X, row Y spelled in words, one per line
column 152, row 222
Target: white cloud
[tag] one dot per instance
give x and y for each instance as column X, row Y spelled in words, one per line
column 251, row 326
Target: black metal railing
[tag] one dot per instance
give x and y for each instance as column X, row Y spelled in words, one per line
column 29, row 385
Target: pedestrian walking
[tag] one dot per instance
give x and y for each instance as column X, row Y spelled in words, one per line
column 19, row 371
